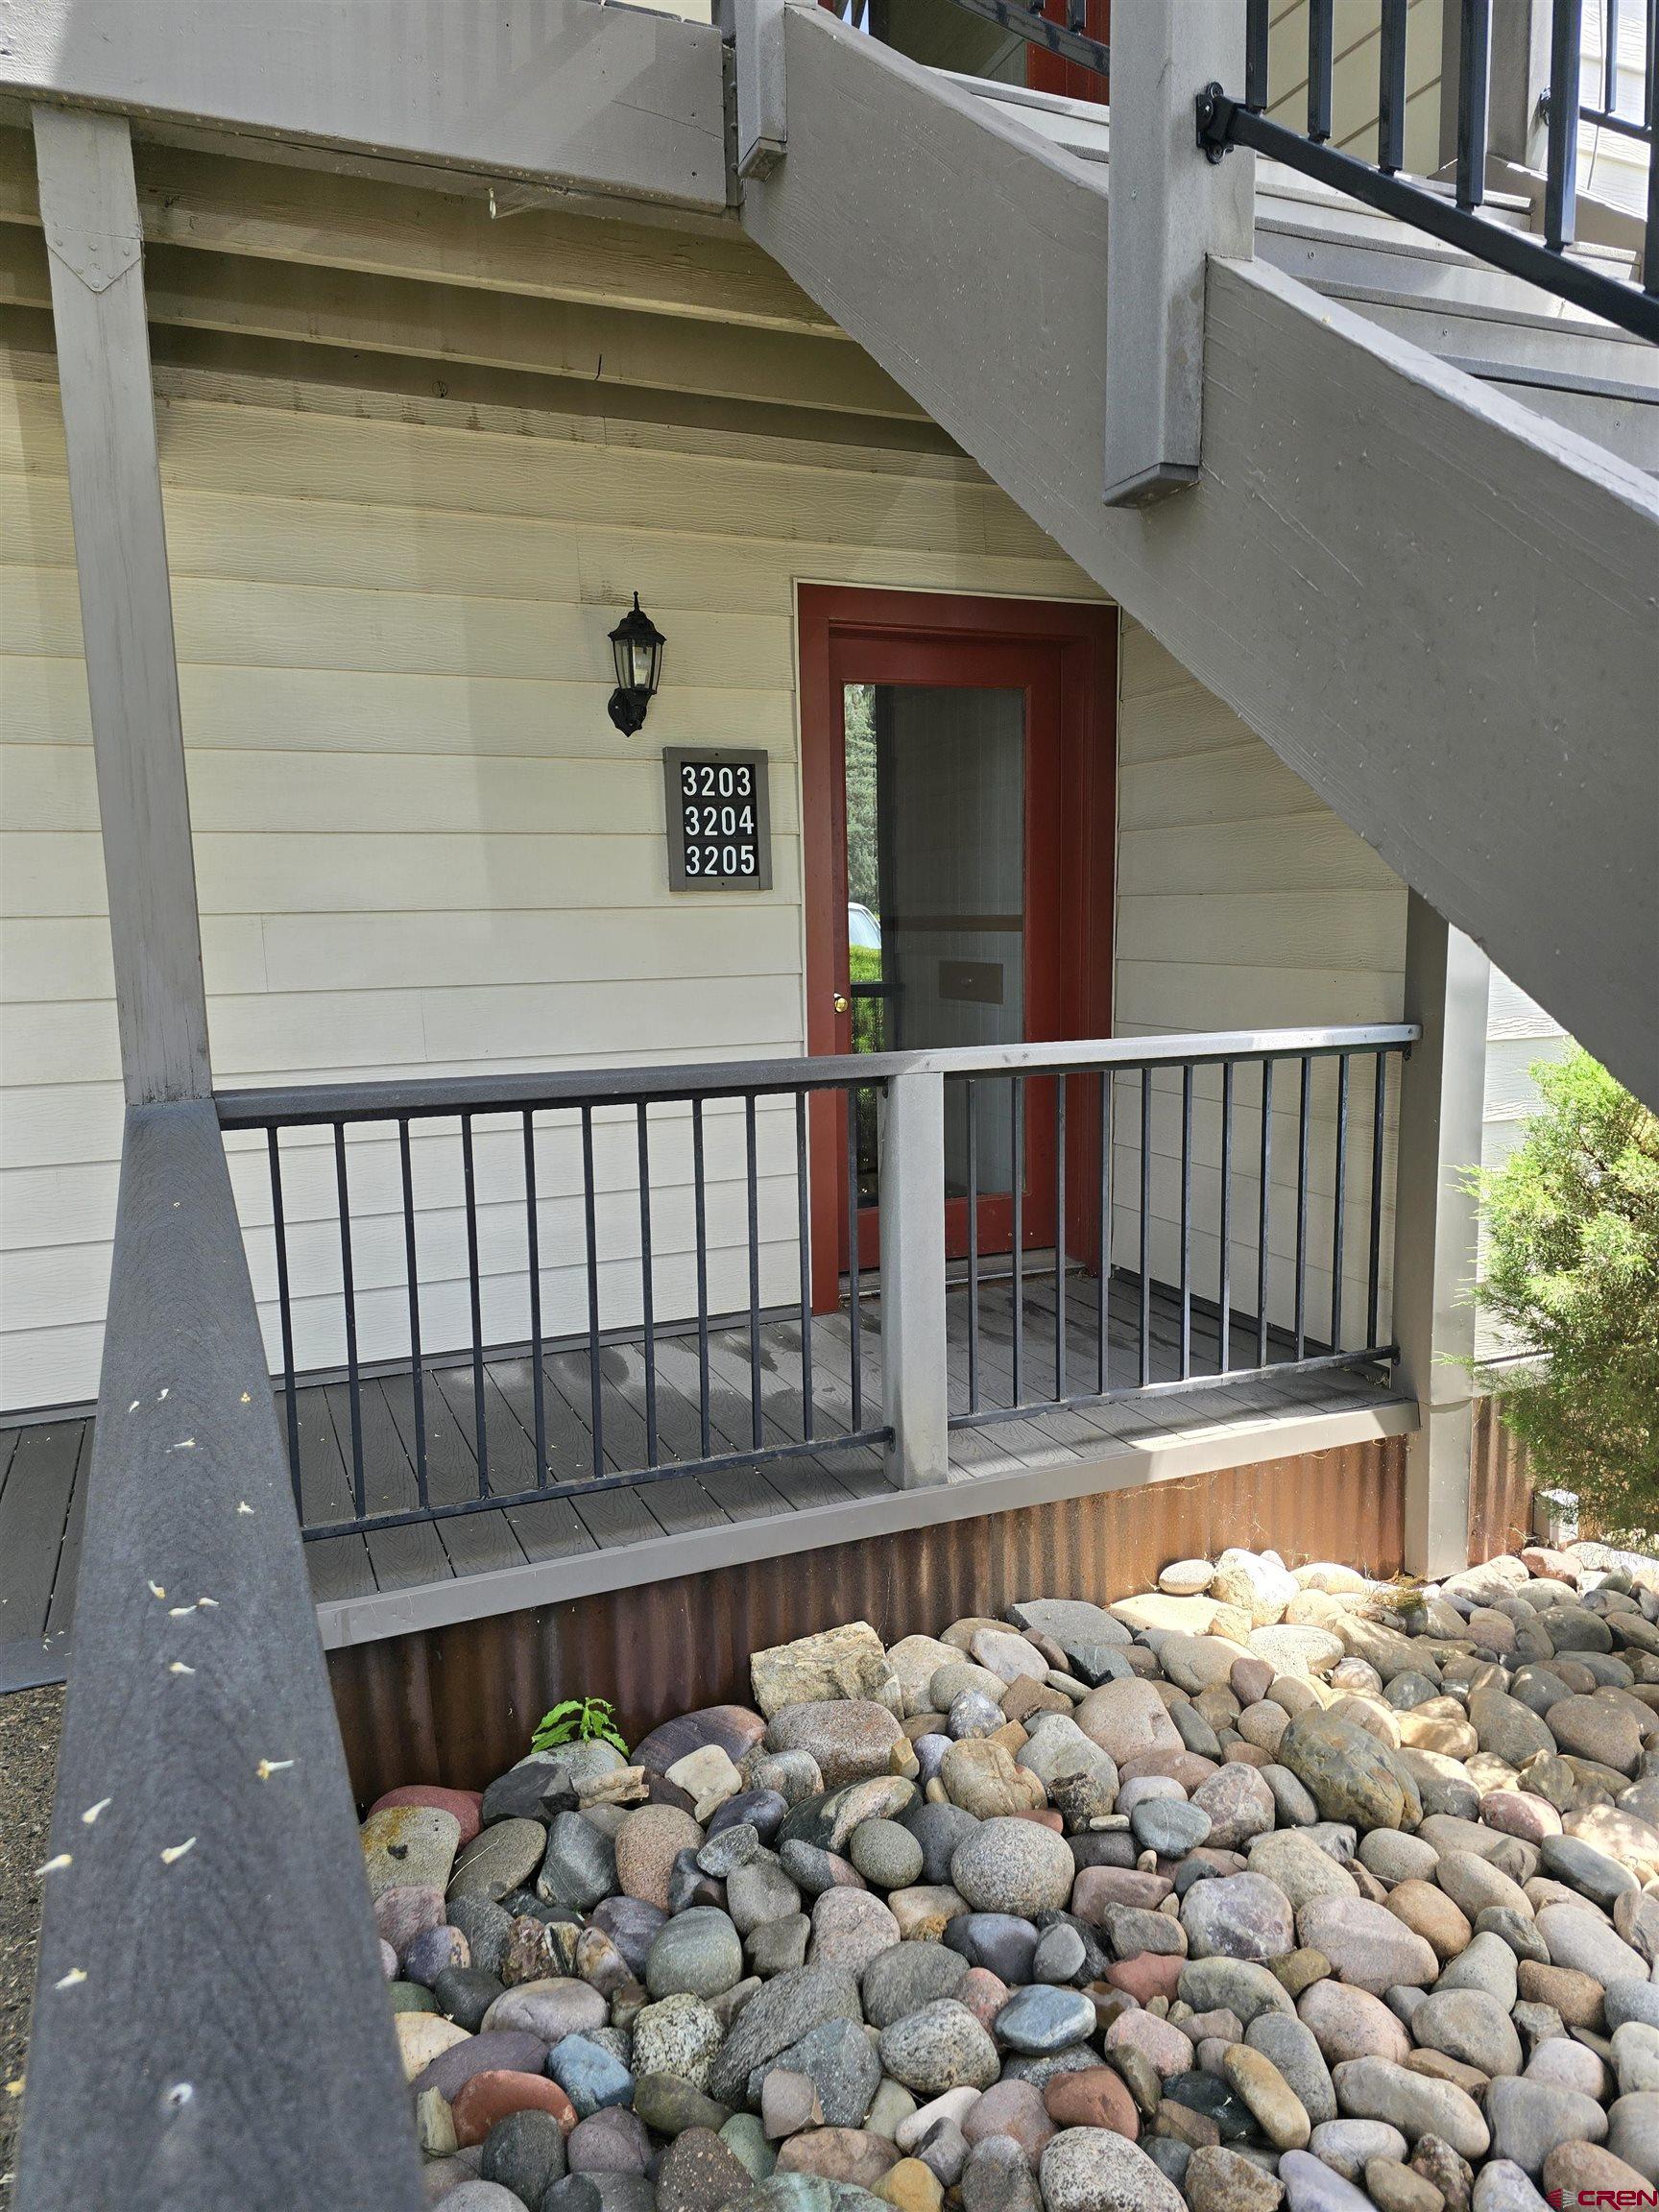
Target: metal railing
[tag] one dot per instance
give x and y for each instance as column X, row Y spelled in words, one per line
column 1088, row 1364
column 413, row 1234
column 1227, row 120
column 657, row 1108
column 1609, row 112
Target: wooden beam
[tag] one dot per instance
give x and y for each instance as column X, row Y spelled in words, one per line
column 266, row 211
column 1434, row 605
column 607, row 100
column 233, row 2046
column 1442, row 1103
column 97, row 296
column 496, row 329
column 1172, row 209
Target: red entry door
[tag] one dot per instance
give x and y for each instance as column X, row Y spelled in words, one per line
column 949, row 899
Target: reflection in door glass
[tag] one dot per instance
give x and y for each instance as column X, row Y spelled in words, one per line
column 936, row 892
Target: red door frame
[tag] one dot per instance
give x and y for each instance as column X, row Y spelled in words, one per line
column 1067, row 650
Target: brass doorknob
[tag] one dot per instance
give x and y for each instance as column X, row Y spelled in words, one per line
column 843, row 1005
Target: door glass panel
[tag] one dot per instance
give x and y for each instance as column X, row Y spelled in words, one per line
column 936, row 894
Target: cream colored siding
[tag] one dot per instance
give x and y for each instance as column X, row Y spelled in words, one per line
column 1354, row 103
column 420, row 846
column 1519, row 1036
column 1242, row 903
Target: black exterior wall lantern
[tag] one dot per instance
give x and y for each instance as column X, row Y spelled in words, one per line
column 636, row 646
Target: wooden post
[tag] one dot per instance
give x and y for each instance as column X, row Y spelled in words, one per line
column 1168, row 209
column 89, row 211
column 758, row 65
column 1441, row 1106
column 912, row 1210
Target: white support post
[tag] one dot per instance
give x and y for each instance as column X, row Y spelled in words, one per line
column 912, row 1212
column 1441, row 1106
column 1168, row 208
column 89, row 213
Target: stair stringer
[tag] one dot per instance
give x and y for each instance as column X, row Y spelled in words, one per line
column 1437, row 607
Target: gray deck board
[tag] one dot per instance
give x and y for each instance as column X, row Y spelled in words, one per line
column 43, row 1466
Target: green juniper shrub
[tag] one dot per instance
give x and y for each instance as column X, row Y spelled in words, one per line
column 1572, row 1274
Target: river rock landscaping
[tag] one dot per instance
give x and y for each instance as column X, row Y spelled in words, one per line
column 1270, row 1885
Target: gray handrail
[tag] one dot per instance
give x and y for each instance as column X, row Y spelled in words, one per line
column 225, row 2039
column 378, row 1101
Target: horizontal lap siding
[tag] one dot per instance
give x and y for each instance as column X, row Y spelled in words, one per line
column 421, row 849
column 1244, row 903
column 1354, row 98
column 1520, row 1037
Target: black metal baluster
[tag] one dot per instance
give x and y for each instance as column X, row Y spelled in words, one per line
column 1146, row 1319
column 1391, row 87
column 533, row 1244
column 1304, row 1120
column 417, row 1373
column 700, row 1207
column 1342, row 1081
column 1474, row 74
column 1650, row 118
column 1186, row 1223
column 1258, row 26
column 1103, row 1272
column 591, row 1222
column 972, row 1091
column 1017, row 1151
column 802, row 1238
column 476, row 1292
column 754, row 1423
column 1263, row 1221
column 1224, row 1348
column 1060, row 1238
column 647, row 1302
column 1321, row 66
column 285, row 1314
column 1374, row 1272
column 1561, row 155
column 853, row 1314
column 348, row 1293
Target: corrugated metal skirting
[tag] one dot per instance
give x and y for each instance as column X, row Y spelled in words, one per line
column 457, row 1705
column 1499, row 1488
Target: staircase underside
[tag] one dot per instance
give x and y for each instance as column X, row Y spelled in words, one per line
column 1433, row 601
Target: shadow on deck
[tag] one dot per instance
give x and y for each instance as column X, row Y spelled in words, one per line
column 616, row 1532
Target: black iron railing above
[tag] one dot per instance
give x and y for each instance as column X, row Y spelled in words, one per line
column 1229, row 120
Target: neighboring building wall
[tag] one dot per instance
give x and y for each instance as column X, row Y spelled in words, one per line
column 1243, row 902
column 420, row 846
column 1354, row 103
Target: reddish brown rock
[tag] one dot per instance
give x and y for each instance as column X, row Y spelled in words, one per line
column 487, row 2097
column 1097, row 1887
column 462, row 1803
column 1147, row 1974
column 983, row 1992
column 1096, row 2097
column 647, row 1843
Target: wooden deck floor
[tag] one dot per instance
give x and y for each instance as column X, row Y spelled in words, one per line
column 43, row 1466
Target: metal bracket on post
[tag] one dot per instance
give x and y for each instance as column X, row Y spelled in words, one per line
column 912, row 1212
column 1169, row 207
column 762, row 114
